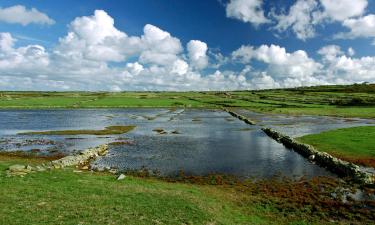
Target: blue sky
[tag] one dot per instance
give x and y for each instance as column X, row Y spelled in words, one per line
column 278, row 49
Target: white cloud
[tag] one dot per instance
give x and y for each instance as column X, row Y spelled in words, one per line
column 249, row 11
column 180, row 67
column 95, row 38
column 95, row 55
column 134, row 68
column 19, row 14
column 282, row 69
column 197, row 51
column 159, row 46
column 345, row 68
column 359, row 27
column 280, row 63
column 351, row 51
column 341, row 10
column 305, row 15
column 264, row 81
column 20, row 60
column 301, row 18
column 330, row 52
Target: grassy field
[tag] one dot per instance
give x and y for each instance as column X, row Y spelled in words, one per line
column 66, row 197
column 356, row 144
column 346, row 101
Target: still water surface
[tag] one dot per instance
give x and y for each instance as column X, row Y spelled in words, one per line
column 197, row 142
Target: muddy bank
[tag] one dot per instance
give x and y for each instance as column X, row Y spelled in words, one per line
column 333, row 164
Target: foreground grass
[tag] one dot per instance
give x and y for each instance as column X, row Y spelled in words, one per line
column 356, row 144
column 345, row 101
column 66, row 197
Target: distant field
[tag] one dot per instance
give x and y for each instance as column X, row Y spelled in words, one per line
column 356, row 144
column 346, row 101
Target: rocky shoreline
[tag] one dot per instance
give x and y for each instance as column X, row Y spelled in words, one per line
column 338, row 166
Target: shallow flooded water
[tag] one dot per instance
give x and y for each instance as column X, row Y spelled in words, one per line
column 297, row 126
column 198, row 142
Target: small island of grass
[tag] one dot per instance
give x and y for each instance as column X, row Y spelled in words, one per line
column 107, row 131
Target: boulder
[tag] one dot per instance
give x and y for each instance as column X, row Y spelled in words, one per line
column 121, row 177
column 17, row 168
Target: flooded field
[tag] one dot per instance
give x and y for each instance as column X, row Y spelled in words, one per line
column 198, row 142
column 297, row 126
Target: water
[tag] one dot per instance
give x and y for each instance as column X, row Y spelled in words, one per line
column 198, row 142
column 297, row 126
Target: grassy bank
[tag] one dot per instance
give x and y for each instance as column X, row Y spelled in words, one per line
column 356, row 144
column 67, row 197
column 345, row 101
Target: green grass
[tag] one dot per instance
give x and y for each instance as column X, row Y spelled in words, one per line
column 359, row 112
column 65, row 197
column 343, row 101
column 356, row 144
column 107, row 131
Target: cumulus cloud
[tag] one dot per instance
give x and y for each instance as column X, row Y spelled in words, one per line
column 301, row 19
column 197, row 51
column 249, row 11
column 341, row 10
column 94, row 38
column 330, row 52
column 359, row 27
column 20, row 60
column 280, row 62
column 159, row 46
column 19, row 14
column 305, row 15
column 343, row 68
column 95, row 55
column 283, row 69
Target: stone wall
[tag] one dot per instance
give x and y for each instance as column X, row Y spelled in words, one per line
column 83, row 158
column 324, row 159
column 240, row 117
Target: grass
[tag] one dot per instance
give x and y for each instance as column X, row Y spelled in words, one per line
column 356, row 144
column 345, row 101
column 107, row 131
column 66, row 197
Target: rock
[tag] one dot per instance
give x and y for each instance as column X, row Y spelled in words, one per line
column 29, row 168
column 85, row 168
column 17, row 168
column 121, row 177
column 334, row 164
column 40, row 169
column 113, row 171
column 99, row 169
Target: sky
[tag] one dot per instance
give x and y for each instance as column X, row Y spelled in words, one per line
column 181, row 45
